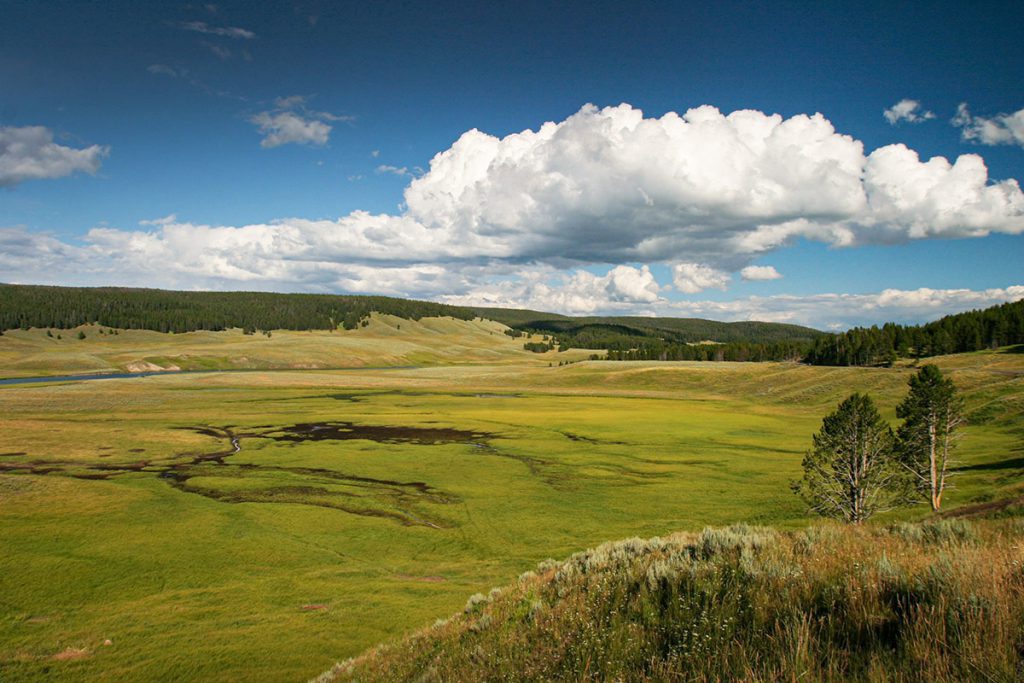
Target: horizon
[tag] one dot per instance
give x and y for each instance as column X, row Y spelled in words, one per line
column 724, row 163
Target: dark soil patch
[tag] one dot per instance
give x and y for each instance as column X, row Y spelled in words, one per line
column 349, row 431
column 12, row 454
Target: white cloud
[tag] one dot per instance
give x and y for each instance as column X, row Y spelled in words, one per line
column 611, row 186
column 329, row 256
column 755, row 273
column 841, row 311
column 394, row 170
column 526, row 217
column 695, row 277
column 29, row 153
column 290, row 102
column 282, row 128
column 292, row 121
column 1003, row 129
column 222, row 31
column 622, row 289
column 907, row 110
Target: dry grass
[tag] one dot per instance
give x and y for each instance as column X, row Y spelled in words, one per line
column 942, row 601
column 386, row 340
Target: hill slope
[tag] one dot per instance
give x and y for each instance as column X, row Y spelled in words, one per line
column 684, row 330
column 384, row 340
column 943, row 601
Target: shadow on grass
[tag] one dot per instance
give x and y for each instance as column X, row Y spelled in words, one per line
column 1011, row 464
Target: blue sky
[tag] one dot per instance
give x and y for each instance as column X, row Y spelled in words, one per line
column 289, row 147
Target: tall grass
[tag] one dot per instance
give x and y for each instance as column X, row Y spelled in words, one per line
column 939, row 602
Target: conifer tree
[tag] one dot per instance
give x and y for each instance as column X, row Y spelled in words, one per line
column 853, row 470
column 931, row 413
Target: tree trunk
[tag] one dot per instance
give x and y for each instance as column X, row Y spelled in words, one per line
column 936, row 490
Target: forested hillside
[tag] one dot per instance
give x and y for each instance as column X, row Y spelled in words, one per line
column 650, row 338
column 24, row 306
column 674, row 339
column 993, row 327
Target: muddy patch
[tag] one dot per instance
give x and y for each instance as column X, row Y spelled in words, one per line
column 217, row 475
column 12, row 454
column 349, row 431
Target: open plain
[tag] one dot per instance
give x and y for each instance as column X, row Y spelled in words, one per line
column 264, row 524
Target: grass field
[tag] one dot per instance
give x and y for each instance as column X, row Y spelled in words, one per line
column 264, row 525
column 385, row 340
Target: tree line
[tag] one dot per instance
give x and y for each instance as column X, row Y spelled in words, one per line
column 25, row 306
column 858, row 466
column 1000, row 325
column 735, row 351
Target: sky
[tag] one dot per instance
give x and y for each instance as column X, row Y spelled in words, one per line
column 832, row 166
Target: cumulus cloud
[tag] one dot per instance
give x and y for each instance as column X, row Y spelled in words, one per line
column 29, row 153
column 291, row 121
column 907, row 110
column 696, row 277
column 222, row 31
column 535, row 217
column 1003, row 129
column 755, row 273
column 608, row 185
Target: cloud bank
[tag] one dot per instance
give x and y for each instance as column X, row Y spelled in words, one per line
column 533, row 218
column 29, row 153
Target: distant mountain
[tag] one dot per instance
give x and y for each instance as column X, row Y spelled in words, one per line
column 627, row 332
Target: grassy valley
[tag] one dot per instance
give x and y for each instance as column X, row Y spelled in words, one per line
column 266, row 524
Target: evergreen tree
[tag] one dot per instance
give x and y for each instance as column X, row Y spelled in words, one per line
column 853, row 470
column 931, row 414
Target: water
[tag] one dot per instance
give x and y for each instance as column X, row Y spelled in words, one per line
column 75, row 378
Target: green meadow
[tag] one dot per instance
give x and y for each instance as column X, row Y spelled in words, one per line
column 263, row 525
